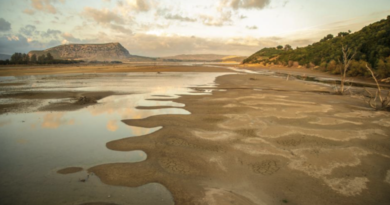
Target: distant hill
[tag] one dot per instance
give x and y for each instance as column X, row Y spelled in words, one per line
column 204, row 57
column 115, row 51
column 108, row 51
column 372, row 44
column 233, row 58
column 263, row 54
column 5, row 56
column 135, row 58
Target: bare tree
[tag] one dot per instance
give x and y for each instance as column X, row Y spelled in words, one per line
column 348, row 56
column 384, row 101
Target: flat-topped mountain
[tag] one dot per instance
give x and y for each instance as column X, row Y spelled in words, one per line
column 108, row 51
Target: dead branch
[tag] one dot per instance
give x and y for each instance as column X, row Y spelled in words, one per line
column 383, row 100
column 386, row 80
column 350, row 86
column 348, row 56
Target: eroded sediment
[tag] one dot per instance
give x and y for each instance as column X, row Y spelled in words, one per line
column 270, row 146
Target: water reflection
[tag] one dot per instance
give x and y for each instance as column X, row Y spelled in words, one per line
column 33, row 146
column 124, row 107
column 4, row 122
column 54, row 120
column 112, row 125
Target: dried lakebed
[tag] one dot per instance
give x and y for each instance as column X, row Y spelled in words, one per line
column 283, row 142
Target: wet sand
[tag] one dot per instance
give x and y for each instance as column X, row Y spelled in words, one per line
column 69, row 100
column 81, row 72
column 264, row 141
column 102, row 68
column 70, row 170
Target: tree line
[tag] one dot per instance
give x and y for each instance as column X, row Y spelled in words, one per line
column 24, row 59
column 372, row 46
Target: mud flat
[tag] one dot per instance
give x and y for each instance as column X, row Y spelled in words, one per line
column 262, row 140
column 104, row 68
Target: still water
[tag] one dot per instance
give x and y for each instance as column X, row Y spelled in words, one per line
column 35, row 145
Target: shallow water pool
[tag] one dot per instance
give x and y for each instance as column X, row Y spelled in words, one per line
column 35, row 145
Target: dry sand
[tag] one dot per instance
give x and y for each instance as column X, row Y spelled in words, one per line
column 302, row 71
column 265, row 141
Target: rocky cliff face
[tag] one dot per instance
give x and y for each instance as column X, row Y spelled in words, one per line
column 109, row 51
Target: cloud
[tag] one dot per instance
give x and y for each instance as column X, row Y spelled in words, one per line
column 167, row 14
column 51, row 34
column 246, row 4
column 151, row 27
column 13, row 38
column 69, row 38
column 37, row 40
column 64, row 42
column 140, row 5
column 224, row 17
column 108, row 19
column 28, row 30
column 4, row 25
column 121, row 29
column 243, row 17
column 179, row 18
column 103, row 16
column 252, row 27
column 18, row 43
column 45, row 5
column 29, row 11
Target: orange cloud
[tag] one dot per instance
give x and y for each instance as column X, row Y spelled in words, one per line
column 44, row 5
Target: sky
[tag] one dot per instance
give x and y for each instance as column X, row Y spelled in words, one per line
column 160, row 28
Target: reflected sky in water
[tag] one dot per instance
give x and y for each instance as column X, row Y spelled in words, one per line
column 33, row 146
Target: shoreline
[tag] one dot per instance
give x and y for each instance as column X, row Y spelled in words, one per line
column 101, row 68
column 309, row 72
